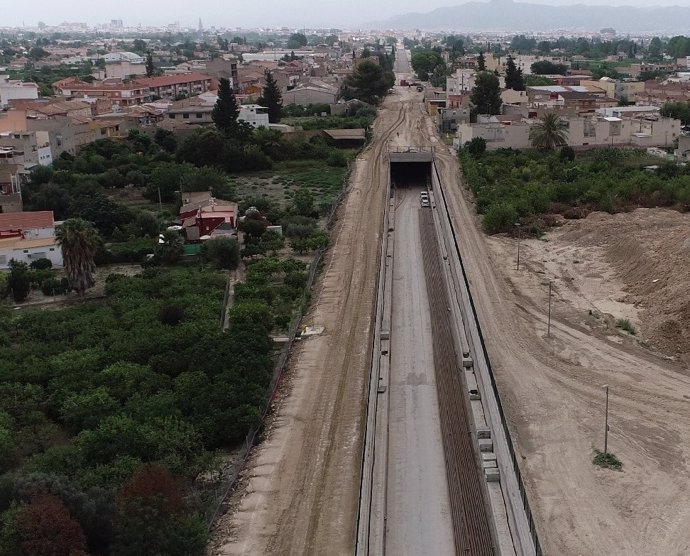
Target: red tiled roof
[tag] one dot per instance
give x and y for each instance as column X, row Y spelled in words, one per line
column 26, row 220
column 168, row 80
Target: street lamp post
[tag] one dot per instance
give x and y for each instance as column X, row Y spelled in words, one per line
column 606, row 421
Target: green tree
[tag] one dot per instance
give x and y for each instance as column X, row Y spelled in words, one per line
column 514, row 78
column 226, row 110
column 368, row 83
column 537, row 80
column 678, row 110
column 297, row 40
column 224, row 252
column 655, row 48
column 79, row 241
column 548, row 134
column 424, row 62
column 166, row 140
column 476, row 146
column 303, row 202
column 439, row 75
column 272, row 98
column 486, row 94
column 19, row 281
column 170, row 247
column 150, row 68
column 545, row 67
column 481, row 62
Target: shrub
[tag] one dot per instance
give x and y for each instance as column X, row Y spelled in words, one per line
column 41, row 264
column 223, row 252
column 500, row 218
column 607, row 460
column 55, row 286
column 336, row 159
column 476, row 147
column 625, row 324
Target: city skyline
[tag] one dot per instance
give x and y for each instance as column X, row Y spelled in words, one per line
column 303, row 13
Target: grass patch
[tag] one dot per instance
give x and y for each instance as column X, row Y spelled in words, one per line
column 625, row 324
column 607, row 461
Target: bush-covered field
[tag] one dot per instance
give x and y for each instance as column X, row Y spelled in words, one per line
column 527, row 187
column 114, row 409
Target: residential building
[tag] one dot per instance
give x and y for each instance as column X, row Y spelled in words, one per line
column 461, row 82
column 124, row 93
column 583, row 132
column 11, row 89
column 174, row 86
column 313, row 92
column 253, row 114
column 224, row 67
column 683, row 151
column 616, row 88
column 13, row 174
column 35, row 147
column 203, row 217
column 11, row 202
column 120, row 70
column 28, row 236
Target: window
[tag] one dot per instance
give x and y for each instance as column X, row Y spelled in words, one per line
column 3, row 259
column 52, row 248
column 185, row 116
column 199, row 115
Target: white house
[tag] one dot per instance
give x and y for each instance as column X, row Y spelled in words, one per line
column 254, row 114
column 27, row 237
column 11, row 89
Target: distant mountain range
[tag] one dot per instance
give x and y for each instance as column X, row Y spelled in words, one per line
column 505, row 15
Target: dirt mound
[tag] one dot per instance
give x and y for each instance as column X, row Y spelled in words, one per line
column 649, row 250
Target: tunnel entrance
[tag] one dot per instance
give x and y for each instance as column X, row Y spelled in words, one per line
column 410, row 174
column 410, row 166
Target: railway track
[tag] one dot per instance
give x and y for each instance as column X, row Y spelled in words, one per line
column 471, row 523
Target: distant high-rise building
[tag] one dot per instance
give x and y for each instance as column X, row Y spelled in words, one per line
column 116, row 23
column 201, row 27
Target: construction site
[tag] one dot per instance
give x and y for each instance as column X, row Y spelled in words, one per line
column 455, row 399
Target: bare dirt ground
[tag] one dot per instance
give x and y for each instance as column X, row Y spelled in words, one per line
column 551, row 388
column 299, row 494
column 623, row 266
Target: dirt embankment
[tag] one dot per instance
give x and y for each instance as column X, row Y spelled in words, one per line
column 633, row 266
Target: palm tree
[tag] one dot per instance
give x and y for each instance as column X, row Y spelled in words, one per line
column 548, row 134
column 79, row 241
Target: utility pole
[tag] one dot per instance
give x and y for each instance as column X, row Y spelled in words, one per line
column 517, row 266
column 160, row 203
column 606, row 421
column 548, row 326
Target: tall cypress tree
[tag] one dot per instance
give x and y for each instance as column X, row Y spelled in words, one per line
column 226, row 110
column 481, row 62
column 272, row 99
column 514, row 78
column 150, row 68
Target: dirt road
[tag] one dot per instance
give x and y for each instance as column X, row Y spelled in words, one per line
column 301, row 487
column 552, row 393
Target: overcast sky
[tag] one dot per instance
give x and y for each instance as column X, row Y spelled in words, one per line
column 239, row 13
